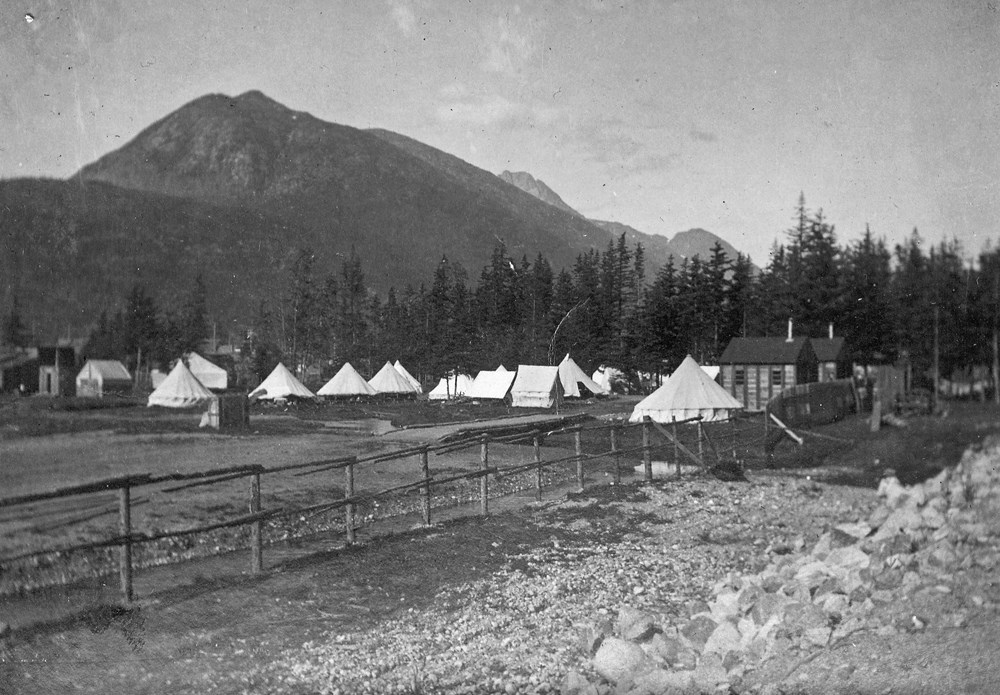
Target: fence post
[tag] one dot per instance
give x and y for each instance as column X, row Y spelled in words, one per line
column 349, row 507
column 256, row 528
column 538, row 467
column 484, row 463
column 677, row 451
column 125, row 528
column 425, row 491
column 647, row 462
column 577, row 445
column 701, row 451
column 614, row 450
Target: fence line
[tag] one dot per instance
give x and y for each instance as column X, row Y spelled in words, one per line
column 127, row 537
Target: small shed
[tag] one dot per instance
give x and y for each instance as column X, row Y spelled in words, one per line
column 56, row 369
column 536, row 387
column 100, row 378
column 831, row 358
column 754, row 370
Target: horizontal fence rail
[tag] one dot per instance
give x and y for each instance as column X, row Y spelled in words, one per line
column 720, row 439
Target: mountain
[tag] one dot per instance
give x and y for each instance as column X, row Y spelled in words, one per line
column 232, row 188
column 693, row 242
column 529, row 184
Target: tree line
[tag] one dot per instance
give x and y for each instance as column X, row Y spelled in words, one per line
column 885, row 302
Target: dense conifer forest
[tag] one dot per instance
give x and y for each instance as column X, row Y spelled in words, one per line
column 605, row 309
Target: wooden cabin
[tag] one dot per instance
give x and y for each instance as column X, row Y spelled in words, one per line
column 754, row 370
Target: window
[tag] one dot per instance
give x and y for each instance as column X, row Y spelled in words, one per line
column 739, row 376
column 776, row 376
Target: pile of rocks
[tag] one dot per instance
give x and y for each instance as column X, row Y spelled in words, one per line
column 867, row 575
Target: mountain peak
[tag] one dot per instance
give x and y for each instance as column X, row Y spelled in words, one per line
column 529, row 184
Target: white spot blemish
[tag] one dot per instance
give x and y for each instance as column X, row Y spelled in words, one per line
column 29, row 18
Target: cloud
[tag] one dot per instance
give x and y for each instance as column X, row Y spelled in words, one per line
column 703, row 135
column 404, row 17
column 620, row 144
column 494, row 110
column 507, row 43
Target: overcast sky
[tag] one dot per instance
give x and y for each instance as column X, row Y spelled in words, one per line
column 660, row 115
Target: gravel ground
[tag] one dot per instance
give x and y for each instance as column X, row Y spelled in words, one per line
column 660, row 548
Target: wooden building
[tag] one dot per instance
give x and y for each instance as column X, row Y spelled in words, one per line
column 754, row 370
column 832, row 359
column 56, row 370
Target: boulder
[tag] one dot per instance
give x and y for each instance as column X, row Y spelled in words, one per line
column 710, row 675
column 767, row 606
column 699, row 629
column 663, row 649
column 634, row 624
column 800, row 617
column 725, row 606
column 724, row 639
column 617, row 658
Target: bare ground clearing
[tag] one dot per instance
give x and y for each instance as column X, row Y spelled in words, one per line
column 224, row 632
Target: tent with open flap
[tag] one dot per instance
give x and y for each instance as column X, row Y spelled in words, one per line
column 688, row 393
column 451, row 386
column 572, row 378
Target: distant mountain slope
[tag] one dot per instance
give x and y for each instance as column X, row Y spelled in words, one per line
column 529, row 184
column 233, row 187
column 693, row 242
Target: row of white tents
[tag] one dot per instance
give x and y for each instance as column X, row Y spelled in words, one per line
column 689, row 392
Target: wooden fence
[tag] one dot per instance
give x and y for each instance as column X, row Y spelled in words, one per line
column 689, row 440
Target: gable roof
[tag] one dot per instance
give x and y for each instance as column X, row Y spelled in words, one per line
column 689, row 392
column 346, row 382
column 181, row 389
column 280, row 383
column 828, row 349
column 388, row 380
column 104, row 370
column 572, row 376
column 767, row 351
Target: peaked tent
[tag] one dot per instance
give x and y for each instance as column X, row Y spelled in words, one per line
column 535, row 387
column 451, row 386
column 346, row 382
column 409, row 377
column 181, row 389
column 688, row 392
column 572, row 377
column 388, row 380
column 210, row 375
column 491, row 385
column 281, row 383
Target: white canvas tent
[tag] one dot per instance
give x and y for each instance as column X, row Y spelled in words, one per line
column 101, row 377
column 572, row 378
column 388, row 380
column 451, row 386
column 535, row 387
column 210, row 375
column 346, row 382
column 607, row 377
column 281, row 383
column 491, row 385
column 688, row 392
column 181, row 389
column 409, row 377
